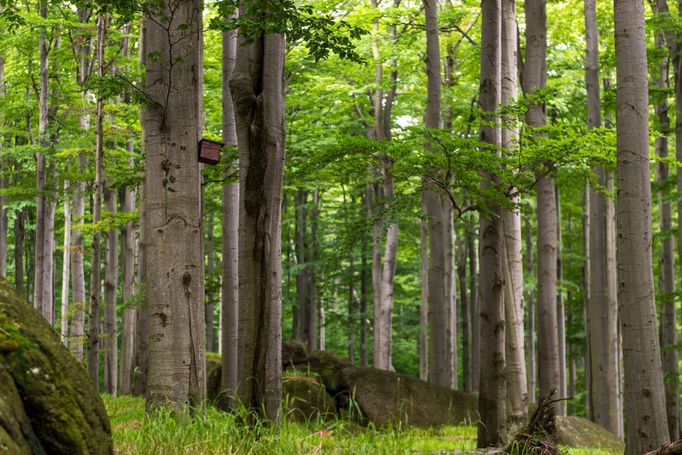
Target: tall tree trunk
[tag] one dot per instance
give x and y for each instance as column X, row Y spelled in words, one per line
column 668, row 326
column 210, row 269
column 424, row 301
column 129, row 290
column 512, row 261
column 465, row 312
column 475, row 308
column 257, row 86
column 77, row 269
column 351, row 308
column 94, row 319
column 302, row 247
column 587, row 299
column 128, row 251
column 440, row 360
column 141, row 351
column 451, row 285
column 312, row 341
column 493, row 388
column 173, row 227
column 364, row 290
column 19, row 250
column 646, row 425
column 110, row 299
column 230, row 221
column 66, row 266
column 561, row 321
column 530, row 315
column 534, row 79
column 42, row 286
column 383, row 313
column 672, row 40
column 78, row 306
column 383, row 273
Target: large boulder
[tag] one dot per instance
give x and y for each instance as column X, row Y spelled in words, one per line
column 385, row 398
column 294, row 354
column 48, row 404
column 305, row 399
column 328, row 367
column 579, row 432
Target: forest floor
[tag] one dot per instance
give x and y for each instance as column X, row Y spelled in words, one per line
column 217, row 432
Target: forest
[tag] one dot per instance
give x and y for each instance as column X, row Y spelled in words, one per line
column 340, row 226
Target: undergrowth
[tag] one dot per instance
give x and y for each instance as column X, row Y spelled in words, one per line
column 214, row 432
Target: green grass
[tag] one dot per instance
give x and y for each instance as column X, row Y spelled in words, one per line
column 216, row 432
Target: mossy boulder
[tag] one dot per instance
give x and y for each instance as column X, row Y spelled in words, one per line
column 48, row 404
column 579, row 432
column 293, row 354
column 386, row 398
column 306, row 399
column 328, row 367
column 213, row 378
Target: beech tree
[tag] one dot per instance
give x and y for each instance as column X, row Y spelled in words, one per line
column 646, row 426
column 510, row 230
column 258, row 96
column 602, row 306
column 439, row 354
column 230, row 222
column 493, row 387
column 534, row 80
column 172, row 223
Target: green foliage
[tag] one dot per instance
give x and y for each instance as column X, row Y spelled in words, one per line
column 322, row 33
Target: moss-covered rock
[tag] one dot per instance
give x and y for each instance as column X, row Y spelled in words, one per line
column 328, row 367
column 48, row 404
column 213, row 378
column 579, row 432
column 293, row 354
column 386, row 398
column 305, row 398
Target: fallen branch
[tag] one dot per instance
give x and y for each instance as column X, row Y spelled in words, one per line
column 673, row 448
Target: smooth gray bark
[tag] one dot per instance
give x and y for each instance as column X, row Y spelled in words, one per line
column 530, row 315
column 173, row 226
column 128, row 291
column 560, row 312
column 668, row 323
column 43, row 298
column 510, row 223
column 492, row 399
column 110, row 335
column 211, row 345
column 77, row 269
column 257, row 87
column 646, row 427
column 440, row 359
column 230, row 220
column 94, row 319
column 534, row 79
column 66, row 267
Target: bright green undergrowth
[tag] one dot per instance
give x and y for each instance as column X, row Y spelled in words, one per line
column 215, row 432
